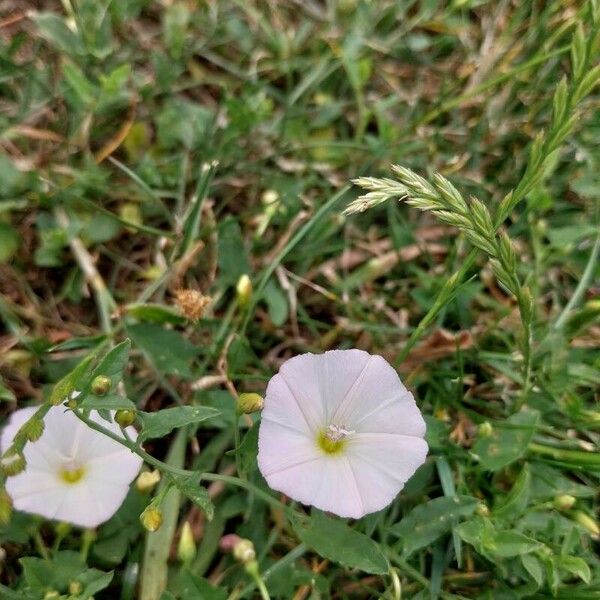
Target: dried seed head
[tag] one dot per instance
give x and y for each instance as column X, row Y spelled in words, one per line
column 192, row 303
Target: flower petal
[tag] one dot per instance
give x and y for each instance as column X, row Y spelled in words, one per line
column 13, row 425
column 382, row 463
column 293, row 396
column 280, row 448
column 338, row 371
column 378, row 401
column 90, row 503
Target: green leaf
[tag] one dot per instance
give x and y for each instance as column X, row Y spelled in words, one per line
column 161, row 423
column 577, row 566
column 232, row 258
column 508, row 441
column 72, row 381
column 336, row 541
column 93, row 581
column 154, row 313
column 427, row 522
column 65, row 567
column 9, row 242
column 55, row 30
column 109, row 402
column 249, row 449
column 277, row 303
column 193, row 587
column 533, row 566
column 494, row 544
column 515, row 502
column 511, row 543
column 166, row 349
column 191, row 488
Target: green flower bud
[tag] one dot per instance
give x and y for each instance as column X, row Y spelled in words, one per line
column 101, row 385
column 12, row 463
column 125, row 417
column 587, row 522
column 250, row 402
column 564, row 502
column 151, row 518
column 482, row 510
column 243, row 290
column 62, row 529
column 75, row 588
column 186, row 549
column 485, row 430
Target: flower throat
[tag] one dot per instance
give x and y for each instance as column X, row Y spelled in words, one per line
column 333, row 439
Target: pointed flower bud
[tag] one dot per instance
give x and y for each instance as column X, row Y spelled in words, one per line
column 147, row 480
column 151, row 518
column 186, row 549
column 564, row 502
column 250, row 402
column 243, row 290
column 101, row 385
column 587, row 522
column 125, row 417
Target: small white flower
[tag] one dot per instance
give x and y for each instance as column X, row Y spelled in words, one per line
column 340, row 431
column 73, row 473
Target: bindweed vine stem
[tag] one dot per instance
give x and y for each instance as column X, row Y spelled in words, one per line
column 170, row 470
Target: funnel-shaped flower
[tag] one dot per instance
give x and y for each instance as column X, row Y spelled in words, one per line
column 340, row 431
column 73, row 473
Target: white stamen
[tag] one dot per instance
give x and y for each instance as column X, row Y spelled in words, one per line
column 335, row 433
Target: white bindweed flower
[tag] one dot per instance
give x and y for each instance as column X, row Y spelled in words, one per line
column 340, row 431
column 73, row 473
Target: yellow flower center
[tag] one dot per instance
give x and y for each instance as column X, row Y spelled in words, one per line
column 72, row 475
column 333, row 439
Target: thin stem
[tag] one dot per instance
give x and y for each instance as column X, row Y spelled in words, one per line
column 581, row 286
column 578, row 457
column 249, row 487
column 262, row 588
column 133, row 446
column 236, row 442
column 104, row 299
column 39, row 544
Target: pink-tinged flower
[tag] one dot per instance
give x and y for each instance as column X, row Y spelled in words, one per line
column 73, row 473
column 340, row 431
